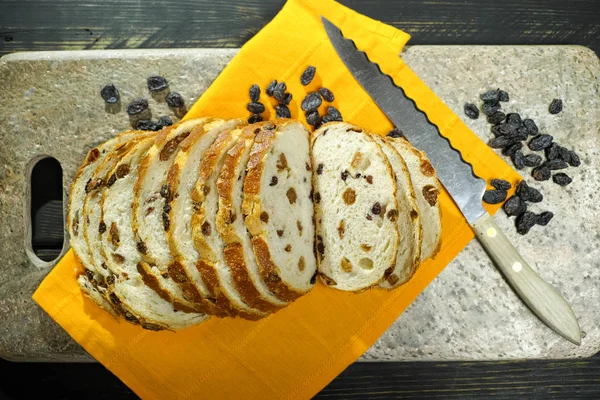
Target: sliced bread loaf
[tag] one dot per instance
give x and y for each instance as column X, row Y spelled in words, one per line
column 130, row 288
column 238, row 253
column 409, row 221
column 278, row 210
column 181, row 181
column 151, row 212
column 213, row 269
column 427, row 187
column 356, row 208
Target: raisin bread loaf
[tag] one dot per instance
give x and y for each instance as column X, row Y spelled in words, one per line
column 237, row 252
column 427, row 187
column 356, row 209
column 409, row 221
column 213, row 269
column 151, row 212
column 278, row 209
column 181, row 181
column 130, row 288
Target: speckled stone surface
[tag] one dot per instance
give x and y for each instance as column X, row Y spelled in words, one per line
column 49, row 105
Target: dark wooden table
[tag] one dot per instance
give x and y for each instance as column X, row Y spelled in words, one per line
column 27, row 25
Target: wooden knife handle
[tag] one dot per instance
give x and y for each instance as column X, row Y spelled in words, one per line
column 543, row 299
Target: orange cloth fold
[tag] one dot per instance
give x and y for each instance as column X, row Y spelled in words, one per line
column 299, row 350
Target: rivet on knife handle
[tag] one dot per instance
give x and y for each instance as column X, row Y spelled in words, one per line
column 540, row 297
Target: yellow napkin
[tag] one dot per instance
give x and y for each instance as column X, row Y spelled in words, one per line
column 299, row 350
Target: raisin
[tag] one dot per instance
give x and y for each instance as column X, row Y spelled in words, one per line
column 544, row 218
column 282, row 111
column 147, row 125
column 511, row 150
column 562, row 179
column 533, row 160
column 157, row 83
column 101, row 227
column 286, row 99
column 494, row 196
column 164, row 120
column 395, row 133
column 531, row 126
column 122, row 171
column 110, row 93
column 376, row 209
column 527, row 193
column 254, row 118
column 514, row 206
column 496, row 117
column 555, row 164
column 288, row 248
column 502, row 142
column 313, row 118
column 254, row 93
column 471, row 111
column 311, row 102
column 320, row 169
column 280, row 232
column 525, row 222
column 345, row 175
column 541, row 173
column 255, row 108
column 334, row 114
column 264, row 216
column 503, row 96
column 308, row 75
column 326, row 118
column 500, row 184
column 175, row 100
column 291, row 195
column 514, row 119
column 556, row 106
column 369, row 179
column 574, row 160
column 503, row 129
column 205, row 228
column 273, row 181
column 279, row 91
column 540, row 142
column 522, row 133
column 491, row 96
column 490, row 108
column 327, row 94
column 137, row 106
column 518, row 159
column 270, row 88
column 141, row 247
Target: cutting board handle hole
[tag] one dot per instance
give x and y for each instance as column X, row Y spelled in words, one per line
column 44, row 211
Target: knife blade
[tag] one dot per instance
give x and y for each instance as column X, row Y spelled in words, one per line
column 459, row 180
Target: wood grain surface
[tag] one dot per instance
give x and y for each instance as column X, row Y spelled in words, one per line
column 27, row 25
column 33, row 25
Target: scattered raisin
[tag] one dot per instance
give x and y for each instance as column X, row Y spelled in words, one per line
column 101, row 227
column 527, row 193
column 311, row 102
column 255, row 107
column 574, row 160
column 500, row 184
column 270, row 88
column 518, row 159
column 540, row 142
column 313, row 118
column 541, row 173
column 430, row 194
column 163, row 121
column 320, row 169
column 137, row 106
column 471, row 111
column 274, row 181
column 110, row 93
column 562, row 179
column 514, row 206
column 514, row 119
column 282, row 111
column 496, row 117
column 503, row 96
column 345, row 175
column 525, row 222
column 264, row 216
column 308, row 75
column 545, row 217
column 395, row 133
column 369, row 179
column 288, row 248
column 531, row 126
column 254, row 118
column 279, row 91
column 491, row 96
column 494, row 196
column 376, row 209
column 555, row 164
column 553, row 151
column 533, row 160
column 503, row 129
column 556, row 106
column 327, row 94
column 511, row 150
column 502, row 142
column 334, row 114
column 254, row 93
column 147, row 125
column 157, row 83
column 490, row 108
column 175, row 100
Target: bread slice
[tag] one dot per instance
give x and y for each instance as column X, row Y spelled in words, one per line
column 181, row 181
column 427, row 187
column 409, row 221
column 278, row 209
column 356, row 209
column 129, row 287
column 213, row 269
column 151, row 212
column 237, row 252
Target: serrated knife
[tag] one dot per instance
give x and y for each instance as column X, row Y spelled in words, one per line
column 464, row 187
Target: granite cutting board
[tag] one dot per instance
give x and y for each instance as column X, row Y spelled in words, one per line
column 50, row 105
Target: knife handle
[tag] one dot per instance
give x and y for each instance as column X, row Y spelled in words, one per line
column 543, row 299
